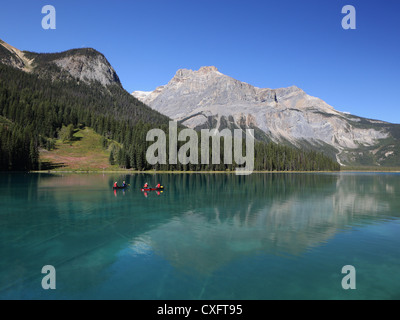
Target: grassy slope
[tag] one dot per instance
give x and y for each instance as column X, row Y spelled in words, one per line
column 84, row 153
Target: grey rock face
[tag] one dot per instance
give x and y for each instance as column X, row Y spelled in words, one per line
column 13, row 57
column 89, row 68
column 285, row 115
column 86, row 65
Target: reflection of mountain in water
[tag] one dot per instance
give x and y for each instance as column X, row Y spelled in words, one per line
column 285, row 214
column 200, row 223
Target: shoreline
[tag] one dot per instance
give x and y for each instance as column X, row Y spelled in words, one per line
column 199, row 172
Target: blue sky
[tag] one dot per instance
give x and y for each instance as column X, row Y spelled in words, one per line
column 269, row 44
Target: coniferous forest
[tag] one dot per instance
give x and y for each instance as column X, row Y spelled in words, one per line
column 34, row 110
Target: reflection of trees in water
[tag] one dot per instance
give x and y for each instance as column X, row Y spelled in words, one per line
column 47, row 221
column 200, row 222
column 229, row 190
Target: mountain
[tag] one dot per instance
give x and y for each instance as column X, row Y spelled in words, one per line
column 46, row 99
column 13, row 57
column 40, row 94
column 206, row 98
column 81, row 74
column 86, row 65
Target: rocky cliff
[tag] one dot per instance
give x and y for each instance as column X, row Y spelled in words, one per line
column 86, row 65
column 207, row 98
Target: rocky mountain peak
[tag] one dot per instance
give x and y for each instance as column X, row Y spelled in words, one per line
column 14, row 57
column 182, row 73
column 208, row 69
column 185, row 74
column 86, row 65
column 207, row 98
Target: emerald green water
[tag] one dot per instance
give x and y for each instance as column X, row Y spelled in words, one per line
column 208, row 236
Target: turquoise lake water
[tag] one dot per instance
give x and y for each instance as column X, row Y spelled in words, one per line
column 207, row 236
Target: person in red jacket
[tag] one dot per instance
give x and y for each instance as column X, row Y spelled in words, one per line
column 116, row 184
column 158, row 186
column 146, row 185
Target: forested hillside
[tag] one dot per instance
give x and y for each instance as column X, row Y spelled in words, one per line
column 35, row 108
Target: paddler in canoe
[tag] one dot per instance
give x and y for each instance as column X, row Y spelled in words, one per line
column 116, row 186
column 147, row 188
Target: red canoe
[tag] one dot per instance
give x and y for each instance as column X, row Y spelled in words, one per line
column 152, row 189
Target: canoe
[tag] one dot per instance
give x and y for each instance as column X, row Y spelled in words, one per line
column 116, row 188
column 152, row 189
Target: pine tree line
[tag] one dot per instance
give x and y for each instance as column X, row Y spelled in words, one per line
column 39, row 110
column 18, row 149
